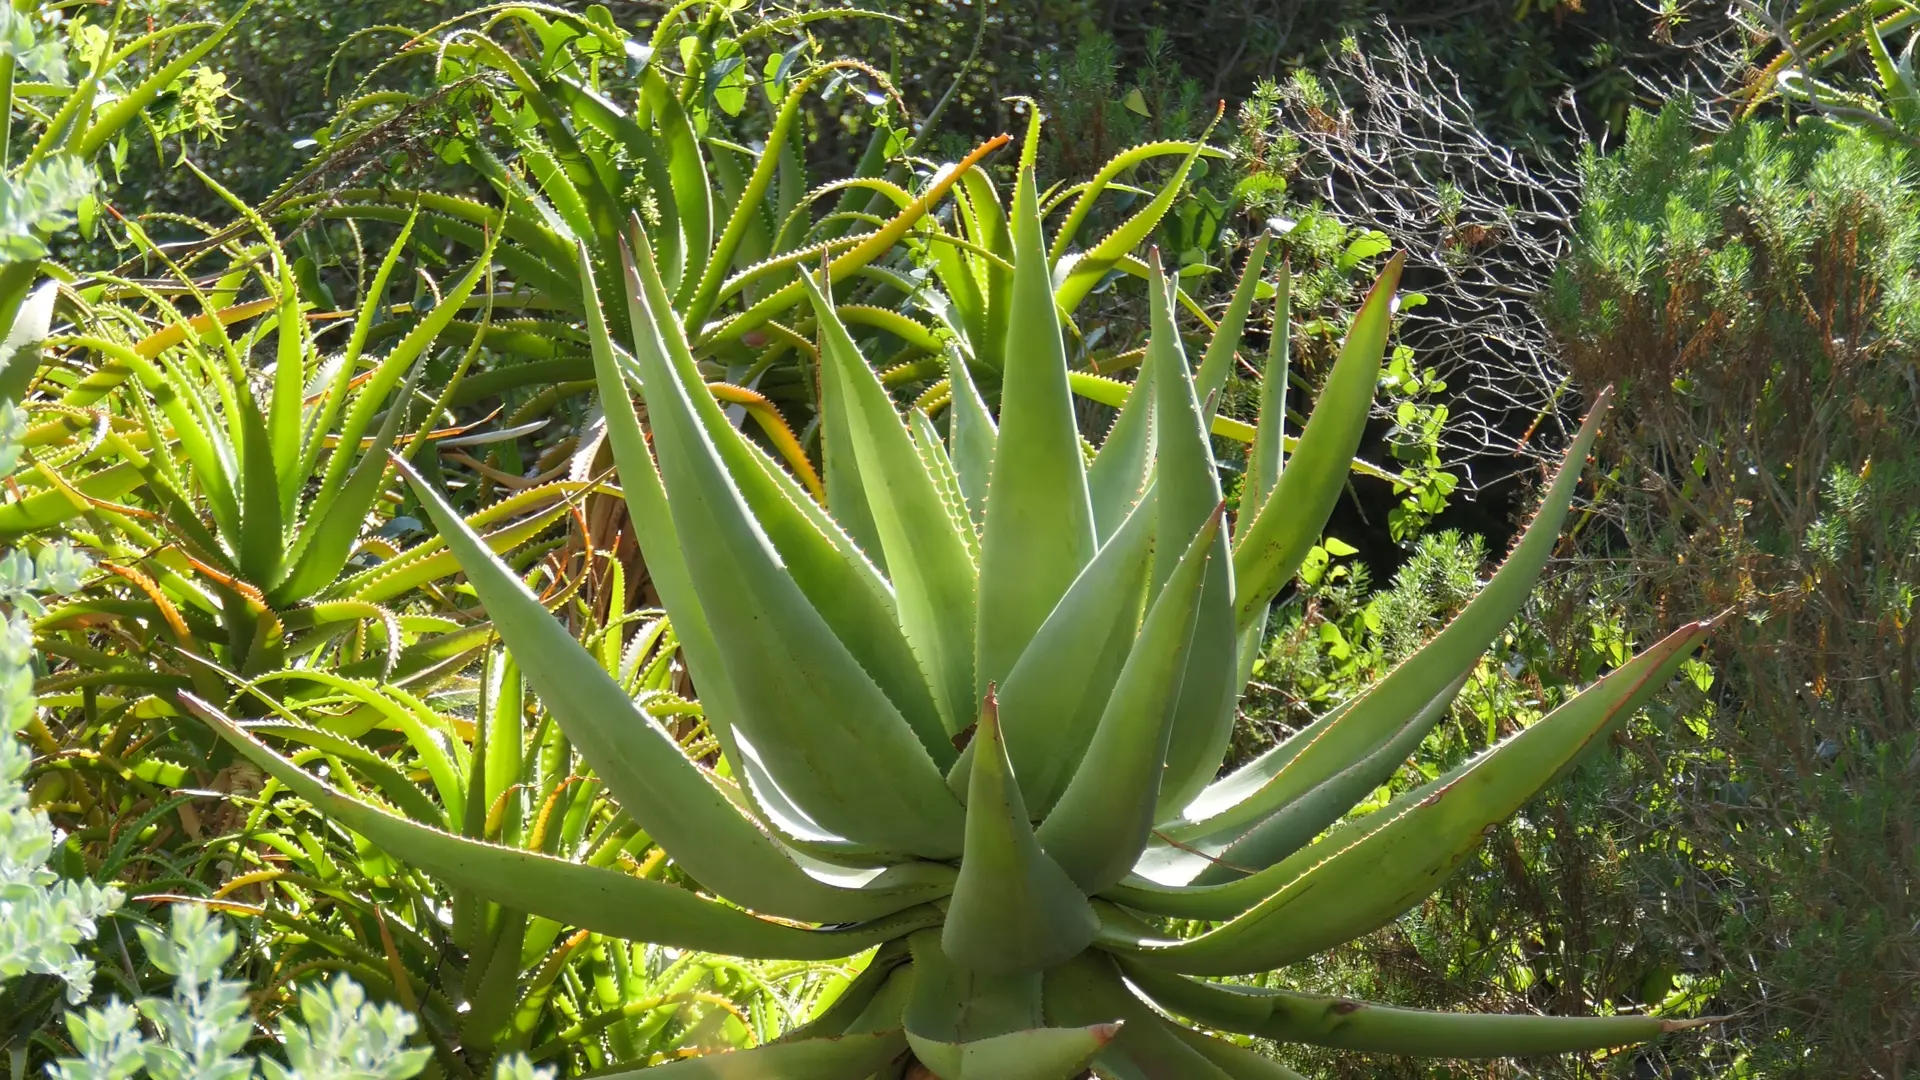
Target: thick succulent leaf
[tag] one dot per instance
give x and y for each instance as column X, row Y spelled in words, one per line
column 1236, row 1061
column 326, row 540
column 263, row 540
column 1082, row 274
column 833, row 574
column 1013, row 908
column 1285, row 1016
column 687, row 172
column 1294, row 825
column 1089, row 987
column 1331, row 744
column 1123, row 465
column 642, row 765
column 817, row 722
column 1033, row 1054
column 604, row 901
column 292, row 346
column 933, row 450
column 1103, row 820
column 1367, row 871
column 1052, row 701
column 1189, row 491
column 951, row 1005
column 839, row 1015
column 1114, row 393
column 972, row 434
column 1269, row 551
column 864, row 252
column 1270, row 434
column 928, row 557
column 1173, row 863
column 377, row 394
column 834, row 1057
column 1039, row 528
column 846, row 492
column 1217, row 363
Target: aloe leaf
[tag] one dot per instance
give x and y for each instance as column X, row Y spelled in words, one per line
column 129, row 104
column 1269, row 439
column 1295, row 824
column 1082, row 274
column 1330, row 745
column 263, row 541
column 642, row 765
column 378, row 389
column 1238, row 1062
column 1014, row 909
column 1053, row 699
column 859, row 257
column 1211, row 378
column 832, row 573
column 950, row 1004
column 289, row 386
column 1269, row 551
column 1127, row 159
column 1121, row 468
column 44, row 509
column 667, row 567
column 972, row 432
column 804, row 698
column 1286, row 1016
column 326, row 539
column 1368, row 870
column 1039, row 523
column 1104, row 818
column 1033, row 1054
column 1189, row 487
column 840, row 461
column 842, row 1057
column 1087, row 989
column 927, row 557
column 604, row 901
column 838, row 1017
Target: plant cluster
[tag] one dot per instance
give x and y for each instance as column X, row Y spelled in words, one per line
column 661, row 549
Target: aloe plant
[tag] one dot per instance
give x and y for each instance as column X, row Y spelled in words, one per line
column 996, row 760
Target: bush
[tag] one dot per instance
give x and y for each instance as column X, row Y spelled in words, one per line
column 1758, row 301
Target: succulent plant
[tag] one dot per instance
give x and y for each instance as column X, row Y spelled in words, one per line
column 972, row 713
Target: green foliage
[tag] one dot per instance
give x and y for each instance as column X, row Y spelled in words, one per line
column 42, row 918
column 1755, row 299
column 853, row 711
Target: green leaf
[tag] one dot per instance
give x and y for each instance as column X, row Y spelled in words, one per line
column 1286, row 1016
column 835, row 1058
column 1052, row 700
column 1103, row 820
column 1217, row 363
column 1085, row 272
column 1123, row 466
column 1087, row 989
column 1189, row 486
column 604, row 901
column 934, row 578
column 642, row 765
column 1039, row 522
column 973, row 435
column 1334, row 742
column 836, row 578
column 1269, row 551
column 804, row 699
column 1368, row 870
column 1013, row 909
